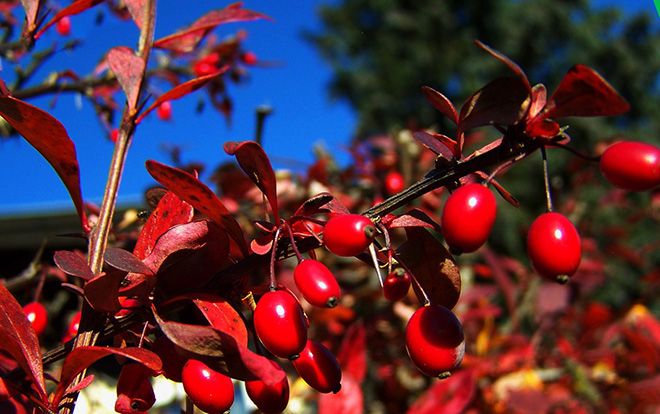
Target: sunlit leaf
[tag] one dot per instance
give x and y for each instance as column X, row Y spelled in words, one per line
column 19, row 339
column 48, row 136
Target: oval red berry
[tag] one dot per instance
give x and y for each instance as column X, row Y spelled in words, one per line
column 209, row 390
column 553, row 246
column 316, row 283
column 396, row 285
column 468, row 217
column 348, row 234
column 37, row 316
column 631, row 165
column 435, row 341
column 281, row 324
column 319, row 368
column 270, row 399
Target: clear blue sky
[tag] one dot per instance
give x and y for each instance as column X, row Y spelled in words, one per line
column 296, row 89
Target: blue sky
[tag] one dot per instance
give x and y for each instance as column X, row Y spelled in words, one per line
column 295, row 88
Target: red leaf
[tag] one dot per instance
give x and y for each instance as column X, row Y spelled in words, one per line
column 224, row 352
column 502, row 101
column 352, row 355
column 19, row 339
column 200, row 245
column 222, row 316
column 169, row 212
column 441, row 103
column 255, row 163
column 72, row 264
column 123, row 260
column 181, row 90
column 313, row 204
column 102, row 291
column 447, row 396
column 76, row 7
column 583, row 92
column 647, row 390
column 81, row 385
column 508, row 62
column 413, row 218
column 539, row 100
column 129, row 70
column 83, row 357
column 186, row 40
column 438, row 143
column 349, row 400
column 542, row 128
column 137, row 10
column 433, row 267
column 193, row 191
column 48, row 136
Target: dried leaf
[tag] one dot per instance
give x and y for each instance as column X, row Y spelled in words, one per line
column 181, row 90
column 186, row 40
column 19, row 340
column 255, row 163
column 124, row 260
column 583, row 92
column 76, row 7
column 169, row 212
column 433, row 267
column 441, row 103
column 193, row 191
column 129, row 70
column 48, row 136
column 72, row 264
column 222, row 351
column 83, row 357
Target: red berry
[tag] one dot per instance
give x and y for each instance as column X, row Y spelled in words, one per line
column 63, row 26
column 281, row 324
column 468, row 217
column 435, row 341
column 269, row 398
column 74, row 325
column 114, row 135
column 134, row 390
column 348, row 234
column 209, row 390
column 319, row 368
column 394, row 183
column 316, row 283
column 249, row 58
column 37, row 315
column 396, row 284
column 164, row 111
column 631, row 165
column 553, row 246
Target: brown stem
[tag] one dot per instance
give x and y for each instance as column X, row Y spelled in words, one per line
column 91, row 323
